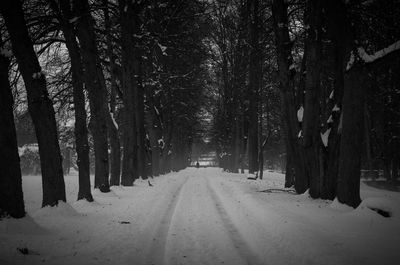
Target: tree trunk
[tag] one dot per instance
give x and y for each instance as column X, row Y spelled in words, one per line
column 356, row 80
column 260, row 142
column 115, row 152
column 311, row 129
column 139, row 116
column 386, row 169
column 367, row 140
column 254, row 85
column 129, row 87
column 338, row 33
column 11, row 196
column 395, row 168
column 129, row 159
column 81, row 132
column 348, row 190
column 40, row 105
column 236, row 145
column 167, row 149
column 289, row 174
column 115, row 147
column 155, row 124
column 242, row 143
column 286, row 87
column 95, row 83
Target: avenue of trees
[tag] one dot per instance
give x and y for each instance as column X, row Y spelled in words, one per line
column 323, row 75
column 130, row 73
column 126, row 87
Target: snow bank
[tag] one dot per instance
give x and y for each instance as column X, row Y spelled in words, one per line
column 336, row 205
column 24, row 226
column 61, row 210
column 381, row 205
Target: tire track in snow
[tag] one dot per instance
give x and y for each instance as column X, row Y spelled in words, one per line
column 268, row 234
column 156, row 251
column 242, row 247
column 256, row 234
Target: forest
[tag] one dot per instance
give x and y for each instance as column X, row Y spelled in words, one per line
column 126, row 89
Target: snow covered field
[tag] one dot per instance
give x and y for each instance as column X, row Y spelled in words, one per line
column 202, row 216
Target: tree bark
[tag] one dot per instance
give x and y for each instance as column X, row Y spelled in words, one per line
column 139, row 116
column 289, row 174
column 81, row 133
column 115, row 146
column 261, row 142
column 11, row 196
column 40, row 105
column 311, row 131
column 95, row 83
column 236, row 144
column 395, row 168
column 348, row 190
column 167, row 138
column 338, row 33
column 356, row 80
column 367, row 140
column 254, row 85
column 386, row 169
column 129, row 87
column 286, row 87
column 260, row 155
column 156, row 126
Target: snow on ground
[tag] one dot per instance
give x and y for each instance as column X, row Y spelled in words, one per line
column 202, row 216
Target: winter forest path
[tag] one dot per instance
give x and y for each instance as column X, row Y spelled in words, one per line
column 199, row 216
column 201, row 230
column 208, row 218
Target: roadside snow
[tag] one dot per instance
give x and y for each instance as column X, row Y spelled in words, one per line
column 202, row 216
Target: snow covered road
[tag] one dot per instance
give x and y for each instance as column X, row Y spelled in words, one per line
column 201, row 216
column 202, row 230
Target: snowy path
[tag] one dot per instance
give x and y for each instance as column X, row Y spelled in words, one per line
column 201, row 229
column 201, row 216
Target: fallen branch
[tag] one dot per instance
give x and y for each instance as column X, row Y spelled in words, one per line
column 278, row 190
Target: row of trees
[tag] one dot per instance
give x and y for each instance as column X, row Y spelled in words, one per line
column 335, row 77
column 246, row 116
column 136, row 77
column 139, row 68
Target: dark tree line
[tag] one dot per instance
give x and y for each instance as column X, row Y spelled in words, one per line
column 138, row 67
column 327, row 62
column 311, row 82
column 332, row 93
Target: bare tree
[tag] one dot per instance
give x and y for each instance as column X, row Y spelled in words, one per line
column 95, row 84
column 39, row 104
column 11, row 196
